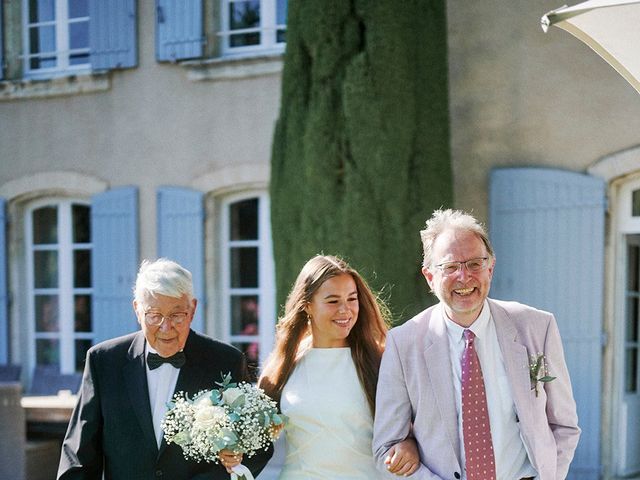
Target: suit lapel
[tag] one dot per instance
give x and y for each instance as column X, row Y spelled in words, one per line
column 437, row 358
column 516, row 362
column 135, row 378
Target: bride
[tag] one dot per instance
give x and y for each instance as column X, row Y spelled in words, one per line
column 324, row 371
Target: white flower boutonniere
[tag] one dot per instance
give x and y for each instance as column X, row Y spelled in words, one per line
column 538, row 371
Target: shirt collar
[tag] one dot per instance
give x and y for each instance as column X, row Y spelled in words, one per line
column 149, row 348
column 479, row 327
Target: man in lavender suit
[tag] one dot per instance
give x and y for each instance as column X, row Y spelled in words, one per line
column 533, row 423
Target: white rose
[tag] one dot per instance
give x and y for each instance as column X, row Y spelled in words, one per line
column 208, row 415
column 230, row 395
column 203, row 401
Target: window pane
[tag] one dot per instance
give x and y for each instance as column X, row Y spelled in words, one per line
column 82, row 268
column 632, row 320
column 281, row 12
column 244, row 267
column 631, row 370
column 244, row 14
column 37, row 63
column 78, row 8
column 79, row 35
column 244, row 39
column 41, row 10
column 251, row 352
column 45, row 269
column 81, row 224
column 244, row 315
column 47, row 313
column 79, row 59
column 632, row 267
column 81, row 352
column 45, row 225
column 244, row 220
column 47, row 351
column 82, row 312
column 635, row 203
column 42, row 40
column 281, row 36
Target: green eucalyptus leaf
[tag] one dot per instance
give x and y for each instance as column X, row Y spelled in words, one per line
column 229, row 436
column 238, row 402
column 216, row 397
column 220, row 443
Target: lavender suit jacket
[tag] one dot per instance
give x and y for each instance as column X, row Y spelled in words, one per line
column 416, row 394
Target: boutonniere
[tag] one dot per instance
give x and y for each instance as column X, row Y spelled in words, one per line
column 538, row 371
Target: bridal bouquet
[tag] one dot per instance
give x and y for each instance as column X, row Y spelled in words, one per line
column 238, row 417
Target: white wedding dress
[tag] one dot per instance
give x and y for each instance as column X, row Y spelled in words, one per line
column 330, row 425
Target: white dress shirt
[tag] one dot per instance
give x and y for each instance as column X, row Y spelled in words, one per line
column 511, row 459
column 162, row 384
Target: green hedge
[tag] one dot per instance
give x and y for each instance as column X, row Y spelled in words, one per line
column 361, row 148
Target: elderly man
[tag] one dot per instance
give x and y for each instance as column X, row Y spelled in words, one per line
column 481, row 384
column 116, row 429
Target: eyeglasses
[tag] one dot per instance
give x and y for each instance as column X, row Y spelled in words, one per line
column 474, row 265
column 155, row 319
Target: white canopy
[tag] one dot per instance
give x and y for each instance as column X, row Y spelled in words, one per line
column 610, row 28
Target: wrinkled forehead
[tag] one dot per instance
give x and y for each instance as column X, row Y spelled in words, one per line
column 456, row 245
column 156, row 301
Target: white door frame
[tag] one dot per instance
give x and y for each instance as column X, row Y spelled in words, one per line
column 626, row 225
column 621, row 172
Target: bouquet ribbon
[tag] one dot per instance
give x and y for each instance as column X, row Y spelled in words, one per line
column 239, row 471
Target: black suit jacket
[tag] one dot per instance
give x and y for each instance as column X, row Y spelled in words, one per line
column 111, row 429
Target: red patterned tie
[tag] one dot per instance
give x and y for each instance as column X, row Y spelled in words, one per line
column 476, row 430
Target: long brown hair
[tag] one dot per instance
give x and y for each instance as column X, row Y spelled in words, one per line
column 293, row 335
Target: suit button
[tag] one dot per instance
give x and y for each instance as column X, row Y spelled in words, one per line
column 456, row 474
column 158, row 473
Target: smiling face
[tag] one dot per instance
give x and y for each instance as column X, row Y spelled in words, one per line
column 462, row 293
column 334, row 311
column 167, row 338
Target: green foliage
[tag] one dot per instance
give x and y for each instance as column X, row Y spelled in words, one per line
column 361, row 148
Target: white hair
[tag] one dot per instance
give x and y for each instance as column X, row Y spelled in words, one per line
column 449, row 219
column 163, row 277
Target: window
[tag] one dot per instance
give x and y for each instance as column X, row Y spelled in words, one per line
column 249, row 25
column 632, row 327
column 248, row 296
column 635, row 203
column 59, row 253
column 56, row 37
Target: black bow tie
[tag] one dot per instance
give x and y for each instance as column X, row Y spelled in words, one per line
column 154, row 360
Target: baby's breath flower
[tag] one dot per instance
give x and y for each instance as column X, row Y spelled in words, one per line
column 238, row 417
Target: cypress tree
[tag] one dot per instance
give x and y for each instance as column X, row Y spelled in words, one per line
column 361, row 147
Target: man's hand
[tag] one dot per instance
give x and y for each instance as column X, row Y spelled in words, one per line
column 229, row 459
column 403, row 458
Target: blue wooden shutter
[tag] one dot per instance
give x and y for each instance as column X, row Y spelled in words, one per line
column 4, row 303
column 547, row 228
column 1, row 44
column 178, row 29
column 181, row 237
column 114, row 226
column 112, row 34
